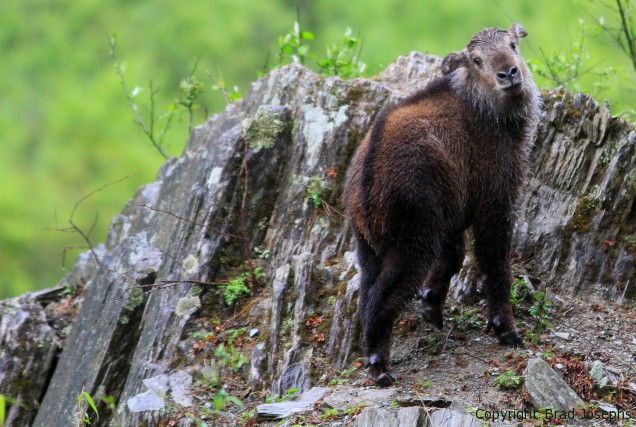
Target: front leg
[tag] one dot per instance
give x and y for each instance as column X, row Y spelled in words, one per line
column 493, row 236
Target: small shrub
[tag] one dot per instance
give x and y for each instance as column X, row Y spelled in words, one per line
column 293, row 47
column 540, row 311
column 316, row 190
column 226, row 359
column 508, row 381
column 518, row 293
column 291, row 394
column 341, row 59
column 467, row 319
column 238, row 287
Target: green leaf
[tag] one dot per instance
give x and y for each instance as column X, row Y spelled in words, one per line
column 306, row 35
column 91, row 403
column 2, row 410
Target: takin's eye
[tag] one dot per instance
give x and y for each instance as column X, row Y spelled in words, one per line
column 477, row 61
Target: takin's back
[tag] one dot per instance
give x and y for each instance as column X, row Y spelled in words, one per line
column 432, row 147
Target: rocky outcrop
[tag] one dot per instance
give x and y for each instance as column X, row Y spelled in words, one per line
column 262, row 180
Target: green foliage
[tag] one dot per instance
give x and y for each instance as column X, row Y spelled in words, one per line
column 226, row 359
column 230, row 95
column 518, row 293
column 190, row 89
column 110, row 403
column 3, row 410
column 316, row 190
column 331, row 413
column 467, row 319
column 155, row 126
column 238, row 287
column 234, row 334
column 561, row 69
column 509, row 381
column 291, row 394
column 341, row 58
column 344, row 377
column 594, row 199
column 335, row 413
column 83, row 417
column 541, row 312
column 293, row 47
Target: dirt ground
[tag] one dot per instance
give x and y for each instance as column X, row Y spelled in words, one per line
column 464, row 364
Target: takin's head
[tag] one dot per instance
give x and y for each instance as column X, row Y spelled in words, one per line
column 491, row 73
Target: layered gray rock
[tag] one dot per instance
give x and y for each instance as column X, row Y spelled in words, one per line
column 304, row 403
column 290, row 138
column 384, row 417
column 547, row 389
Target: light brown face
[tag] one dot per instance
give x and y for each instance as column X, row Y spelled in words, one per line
column 492, row 60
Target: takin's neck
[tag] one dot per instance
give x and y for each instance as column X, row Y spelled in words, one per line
column 519, row 111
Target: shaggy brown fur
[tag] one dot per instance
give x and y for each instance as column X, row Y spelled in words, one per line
column 449, row 157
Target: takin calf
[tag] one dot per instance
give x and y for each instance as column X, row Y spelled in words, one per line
column 449, row 157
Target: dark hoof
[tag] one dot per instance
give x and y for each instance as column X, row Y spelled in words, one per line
column 431, row 312
column 386, row 379
column 379, row 372
column 511, row 337
column 505, row 334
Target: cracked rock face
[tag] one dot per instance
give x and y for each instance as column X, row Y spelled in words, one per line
column 576, row 231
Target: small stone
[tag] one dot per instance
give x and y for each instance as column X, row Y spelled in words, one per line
column 254, row 332
column 180, row 383
column 562, row 335
column 607, row 408
column 147, row 401
column 262, row 308
column 598, row 371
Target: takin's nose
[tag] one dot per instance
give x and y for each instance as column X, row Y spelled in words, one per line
column 507, row 76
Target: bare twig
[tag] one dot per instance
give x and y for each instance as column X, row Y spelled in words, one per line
column 446, row 340
column 147, row 129
column 627, row 31
column 74, row 228
column 192, row 222
column 467, row 353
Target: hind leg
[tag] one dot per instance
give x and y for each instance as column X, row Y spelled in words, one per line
column 400, row 278
column 370, row 265
column 434, row 293
column 492, row 250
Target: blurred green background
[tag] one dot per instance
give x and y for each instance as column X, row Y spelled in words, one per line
column 66, row 128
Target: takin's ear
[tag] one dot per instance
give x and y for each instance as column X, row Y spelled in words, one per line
column 453, row 61
column 517, row 31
